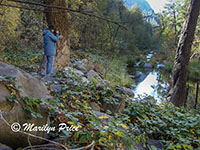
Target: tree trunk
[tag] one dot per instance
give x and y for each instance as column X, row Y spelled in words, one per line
column 177, row 92
column 187, row 93
column 196, row 95
column 59, row 20
column 175, row 28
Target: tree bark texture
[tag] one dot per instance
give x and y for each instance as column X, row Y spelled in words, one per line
column 196, row 95
column 177, row 92
column 187, row 93
column 59, row 20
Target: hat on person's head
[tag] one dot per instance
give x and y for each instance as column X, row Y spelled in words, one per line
column 51, row 27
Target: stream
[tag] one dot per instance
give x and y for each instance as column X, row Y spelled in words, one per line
column 149, row 82
column 145, row 87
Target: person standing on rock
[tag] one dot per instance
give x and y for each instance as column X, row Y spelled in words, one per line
column 50, row 38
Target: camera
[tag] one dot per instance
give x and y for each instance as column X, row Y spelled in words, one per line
column 55, row 32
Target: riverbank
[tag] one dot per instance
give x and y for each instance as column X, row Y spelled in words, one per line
column 108, row 116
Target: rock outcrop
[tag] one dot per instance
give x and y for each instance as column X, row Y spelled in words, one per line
column 113, row 107
column 13, row 112
column 94, row 75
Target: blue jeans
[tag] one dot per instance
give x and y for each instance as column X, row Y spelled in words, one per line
column 50, row 62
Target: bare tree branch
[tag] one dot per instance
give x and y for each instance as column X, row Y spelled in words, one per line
column 41, row 138
column 70, row 10
column 22, row 7
column 32, row 135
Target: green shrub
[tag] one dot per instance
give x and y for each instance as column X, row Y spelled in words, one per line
column 175, row 127
column 72, row 106
column 28, row 60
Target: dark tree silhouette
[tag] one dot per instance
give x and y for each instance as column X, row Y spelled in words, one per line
column 177, row 93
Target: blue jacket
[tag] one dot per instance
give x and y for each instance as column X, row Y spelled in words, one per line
column 49, row 42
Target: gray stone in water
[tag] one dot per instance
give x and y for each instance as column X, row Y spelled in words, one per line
column 131, row 76
column 147, row 65
column 165, row 61
column 160, row 66
column 138, row 74
column 133, row 86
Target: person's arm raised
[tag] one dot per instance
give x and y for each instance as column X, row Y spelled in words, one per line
column 53, row 37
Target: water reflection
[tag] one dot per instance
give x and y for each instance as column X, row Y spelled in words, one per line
column 145, row 87
column 150, row 84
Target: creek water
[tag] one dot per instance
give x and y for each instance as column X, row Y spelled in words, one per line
column 150, row 84
column 145, row 87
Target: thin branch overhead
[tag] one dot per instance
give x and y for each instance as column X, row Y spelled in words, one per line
column 22, row 7
column 61, row 8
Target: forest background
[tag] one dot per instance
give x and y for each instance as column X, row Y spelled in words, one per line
column 113, row 48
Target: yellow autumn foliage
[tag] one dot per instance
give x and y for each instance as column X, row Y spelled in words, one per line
column 9, row 21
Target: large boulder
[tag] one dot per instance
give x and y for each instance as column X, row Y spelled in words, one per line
column 125, row 90
column 15, row 113
column 114, row 107
column 128, row 91
column 147, row 65
column 160, row 66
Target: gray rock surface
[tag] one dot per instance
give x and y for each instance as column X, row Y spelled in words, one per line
column 81, row 68
column 106, row 82
column 128, row 91
column 4, row 147
column 56, row 88
column 94, row 75
column 112, row 106
column 75, row 71
column 146, row 65
column 160, row 66
column 138, row 74
column 13, row 112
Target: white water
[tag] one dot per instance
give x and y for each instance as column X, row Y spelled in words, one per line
column 145, row 87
